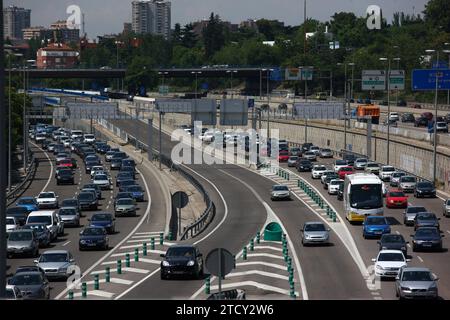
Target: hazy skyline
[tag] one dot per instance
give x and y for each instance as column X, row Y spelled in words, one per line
column 108, row 16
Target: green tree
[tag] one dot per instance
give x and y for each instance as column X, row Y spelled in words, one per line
column 437, row 13
column 176, row 35
column 189, row 39
column 213, row 36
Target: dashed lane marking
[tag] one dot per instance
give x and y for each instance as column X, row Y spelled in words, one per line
column 154, row 232
column 448, row 231
column 132, row 253
column 126, row 269
column 113, row 280
column 375, row 293
column 409, row 246
column 268, row 248
column 378, row 298
column 267, row 264
column 145, row 260
column 418, row 257
column 397, row 232
column 258, row 272
column 65, row 244
column 268, row 255
column 98, row 293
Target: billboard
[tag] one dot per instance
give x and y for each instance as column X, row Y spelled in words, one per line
column 233, row 112
column 292, row 74
column 204, row 110
column 174, row 105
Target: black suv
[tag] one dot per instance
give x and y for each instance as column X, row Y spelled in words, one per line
column 304, row 165
column 421, row 122
column 65, row 176
column 408, row 117
column 182, row 260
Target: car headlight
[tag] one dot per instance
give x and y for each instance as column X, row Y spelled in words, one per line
column 64, row 269
column 166, row 264
column 379, row 267
column 405, row 288
column 190, row 263
column 83, row 241
column 433, row 286
column 384, row 248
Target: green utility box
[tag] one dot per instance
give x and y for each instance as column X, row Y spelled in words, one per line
column 273, row 232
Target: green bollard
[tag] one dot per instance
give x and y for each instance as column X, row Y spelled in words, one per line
column 136, row 255
column 161, row 238
column 144, row 249
column 108, row 275
column 258, row 237
column 84, row 290
column 169, row 237
column 70, row 295
column 244, row 253
column 127, row 260
column 328, row 211
column 252, row 245
column 298, row 184
column 292, row 290
column 152, row 243
column 208, row 285
column 334, row 216
column 119, row 266
column 96, row 282
column 288, row 176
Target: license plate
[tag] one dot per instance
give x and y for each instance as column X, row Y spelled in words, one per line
column 427, row 244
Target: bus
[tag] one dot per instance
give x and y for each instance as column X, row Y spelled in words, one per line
column 363, row 196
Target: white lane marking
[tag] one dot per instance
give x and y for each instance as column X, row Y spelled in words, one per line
column 51, row 167
column 136, row 284
column 448, row 231
column 418, row 257
column 132, row 253
column 253, row 284
column 375, row 293
column 129, row 269
column 268, row 248
column 397, row 232
column 99, row 293
column 378, row 298
column 409, row 246
column 65, row 244
column 262, row 263
column 154, row 232
column 258, row 272
column 113, row 280
column 267, row 255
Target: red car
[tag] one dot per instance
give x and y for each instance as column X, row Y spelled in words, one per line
column 342, row 172
column 67, row 163
column 283, row 156
column 396, row 199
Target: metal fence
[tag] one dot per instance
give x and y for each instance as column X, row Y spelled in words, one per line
column 12, row 196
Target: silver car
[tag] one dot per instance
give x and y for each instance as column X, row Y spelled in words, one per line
column 410, row 213
column 446, row 210
column 125, row 206
column 416, row 283
column 103, row 181
column 70, row 216
column 315, row 233
column 292, row 161
column 56, row 263
column 407, row 183
column 360, row 163
column 372, row 167
column 310, row 155
column 22, row 242
column 395, row 178
column 280, row 192
column 326, row 153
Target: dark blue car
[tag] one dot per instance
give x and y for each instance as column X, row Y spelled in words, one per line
column 427, row 238
column 104, row 220
column 136, row 192
column 93, row 238
column 29, row 203
column 375, row 226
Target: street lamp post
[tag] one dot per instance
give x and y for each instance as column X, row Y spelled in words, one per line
column 196, row 79
column 163, row 74
column 448, row 51
column 388, row 73
column 268, row 101
column 345, row 101
column 306, row 95
column 396, row 90
column 231, row 80
column 117, row 43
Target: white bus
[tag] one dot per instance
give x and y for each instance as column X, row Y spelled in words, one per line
column 363, row 196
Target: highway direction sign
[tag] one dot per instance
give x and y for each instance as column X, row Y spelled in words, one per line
column 204, row 110
column 373, row 80
column 397, row 80
column 292, row 74
column 233, row 112
column 174, row 105
column 425, row 79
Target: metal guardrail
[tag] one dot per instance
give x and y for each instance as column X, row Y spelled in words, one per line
column 13, row 195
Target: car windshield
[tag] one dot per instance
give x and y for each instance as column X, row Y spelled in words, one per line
column 366, row 196
column 315, row 227
column 20, row 236
column 54, row 257
column 417, row 276
column 26, row 201
column 134, row 189
column 424, row 185
column 375, row 221
column 393, row 238
column 416, row 209
column 398, row 174
column 124, row 175
column 346, row 169
column 26, row 280
column 320, row 168
column 326, row 150
column 40, row 219
column 391, row 256
column 304, row 163
column 310, row 153
column 69, row 203
column 388, row 169
column 341, row 162
column 361, row 160
column 125, row 202
column 426, row 216
column 396, row 194
column 86, row 196
column 93, row 232
column 101, row 217
column 280, row 188
column 408, row 179
column 426, row 232
column 448, row 202
column 46, row 195
column 101, row 177
column 180, row 252
column 10, row 221
column 372, row 165
column 293, row 158
column 67, row 212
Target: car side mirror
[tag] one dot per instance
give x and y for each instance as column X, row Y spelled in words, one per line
column 374, row 260
column 408, row 260
column 397, row 278
column 162, row 255
column 436, row 279
column 36, row 261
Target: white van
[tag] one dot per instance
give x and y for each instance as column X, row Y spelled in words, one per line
column 54, row 224
column 76, row 134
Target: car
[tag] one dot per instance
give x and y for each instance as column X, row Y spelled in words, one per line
column 125, row 206
column 280, row 192
column 325, row 153
column 343, row 171
column 56, row 264
column 93, row 238
column 97, row 189
column 11, row 224
column 123, row 195
column 50, row 219
column 88, row 201
column 89, row 138
column 292, row 161
column 339, row 164
column 372, row 167
column 61, row 156
column 401, row 103
column 416, row 282
column 105, row 220
column 386, row 172
column 393, row 242
column 427, row 115
column 441, row 127
column 315, row 233
column 116, row 163
column 396, row 199
column 13, row 293
column 315, row 149
column 295, row 152
column 349, row 159
column 129, row 169
column 360, row 163
column 375, row 226
column 103, row 148
column 22, row 242
column 446, row 208
column 29, row 203
column 51, row 147
column 426, row 219
column 47, row 199
column 421, row 122
column 304, row 165
column 39, row 137
column 182, row 260
column 122, row 176
column 90, row 164
column 66, row 163
column 334, row 185
column 283, row 156
column 42, row 233
column 95, row 170
column 136, row 192
column 427, row 238
column 44, row 144
column 103, row 181
column 408, row 117
column 73, row 203
column 388, row 263
column 424, row 189
column 310, row 155
column 32, row 285
column 407, row 183
column 340, row 193
column 65, row 177
column 306, row 146
column 123, row 184
column 324, row 175
column 394, row 116
column 67, row 141
column 317, row 171
column 328, row 178
column 109, row 154
column 410, row 214
column 70, row 216
column 128, row 163
column 395, row 178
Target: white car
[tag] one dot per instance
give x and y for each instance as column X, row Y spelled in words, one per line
column 339, row 164
column 96, row 169
column 103, row 181
column 11, row 224
column 47, row 200
column 324, row 174
column 333, row 186
column 315, row 149
column 386, row 172
column 89, row 138
column 76, row 134
column 208, row 136
column 67, row 142
column 317, row 171
column 40, row 137
column 389, row 262
column 394, row 116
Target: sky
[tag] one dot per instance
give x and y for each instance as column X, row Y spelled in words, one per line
column 108, row 16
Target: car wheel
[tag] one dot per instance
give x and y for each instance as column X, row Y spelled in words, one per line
column 414, row 249
column 163, row 277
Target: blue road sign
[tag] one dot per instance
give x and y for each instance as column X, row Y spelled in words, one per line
column 205, row 86
column 440, row 65
column 425, row 79
column 276, row 75
column 251, row 103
